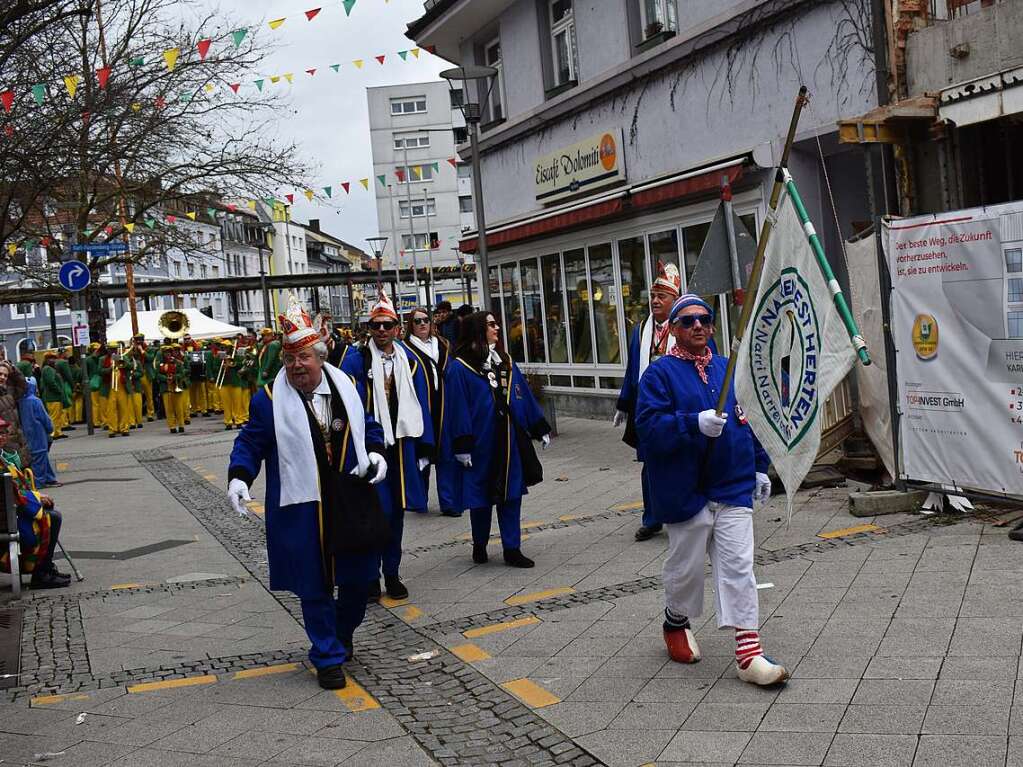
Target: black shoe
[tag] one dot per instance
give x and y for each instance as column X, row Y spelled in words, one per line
column 515, row 558
column 479, row 554
column 150, row 419
column 69, row 428
column 449, row 513
column 646, row 533
column 228, row 427
column 50, row 580
column 138, row 426
column 173, row 431
column 188, row 421
column 207, row 414
column 395, row 588
column 331, row 677
column 374, row 591
column 181, row 430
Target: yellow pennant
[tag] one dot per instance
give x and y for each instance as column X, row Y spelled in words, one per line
column 170, row 58
column 288, row 76
column 309, row 194
column 130, row 227
column 415, row 52
column 252, row 204
column 71, row 83
column 209, row 87
column 365, row 183
column 276, row 23
column 275, row 79
column 358, row 63
column 136, row 107
column 11, row 249
column 191, row 215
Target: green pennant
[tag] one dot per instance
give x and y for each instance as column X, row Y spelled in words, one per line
column 348, row 4
column 211, row 212
column 335, row 67
column 87, row 232
column 327, row 190
column 269, row 201
column 138, row 61
column 39, row 93
column 403, row 54
column 436, row 167
column 238, row 35
column 259, row 85
column 150, row 222
column 31, row 244
column 382, row 179
column 184, row 97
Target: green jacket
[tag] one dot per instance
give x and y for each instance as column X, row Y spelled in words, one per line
column 269, row 363
column 52, row 388
column 163, row 382
column 149, row 368
column 64, row 368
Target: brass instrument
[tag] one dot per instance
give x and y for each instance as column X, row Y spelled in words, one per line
column 173, row 324
column 115, row 374
column 223, row 367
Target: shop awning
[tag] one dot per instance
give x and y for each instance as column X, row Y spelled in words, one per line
column 631, row 200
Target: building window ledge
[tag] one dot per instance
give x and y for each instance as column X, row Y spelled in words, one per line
column 557, row 90
column 492, row 124
column 654, row 40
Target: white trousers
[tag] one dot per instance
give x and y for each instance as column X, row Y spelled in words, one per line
column 726, row 534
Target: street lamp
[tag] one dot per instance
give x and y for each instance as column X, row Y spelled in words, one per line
column 377, row 244
column 264, row 230
column 471, row 112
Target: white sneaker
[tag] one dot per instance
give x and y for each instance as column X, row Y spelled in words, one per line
column 763, row 671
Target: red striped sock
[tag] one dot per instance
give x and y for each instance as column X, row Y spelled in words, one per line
column 747, row 646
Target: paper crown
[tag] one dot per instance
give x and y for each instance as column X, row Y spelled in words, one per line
column 383, row 307
column 668, row 278
column 297, row 326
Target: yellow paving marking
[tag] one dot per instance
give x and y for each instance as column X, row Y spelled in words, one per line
column 389, row 603
column 570, row 517
column 62, row 466
column 255, row 507
column 117, row 586
column 521, row 599
column 355, row 698
column 497, row 627
column 535, row 523
column 281, row 668
column 169, row 684
column 634, row 506
column 530, row 693
column 46, row 700
column 849, row 531
column 469, row 652
column 410, row 613
column 210, row 477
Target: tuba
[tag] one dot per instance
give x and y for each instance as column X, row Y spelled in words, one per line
column 173, row 324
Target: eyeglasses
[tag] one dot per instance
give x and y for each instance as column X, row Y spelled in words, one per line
column 492, row 324
column 421, row 321
column 688, row 320
column 381, row 325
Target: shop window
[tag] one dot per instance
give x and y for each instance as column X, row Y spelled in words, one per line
column 532, row 310
column 554, row 302
column 635, row 299
column 605, row 304
column 495, row 296
column 1015, row 324
column 1016, row 290
column 578, row 292
column 1014, row 260
column 512, row 312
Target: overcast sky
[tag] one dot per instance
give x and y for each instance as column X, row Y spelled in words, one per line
column 327, row 114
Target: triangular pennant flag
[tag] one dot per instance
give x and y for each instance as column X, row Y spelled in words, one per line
column 311, row 14
column 31, row 244
column 7, row 97
column 130, row 227
column 415, row 52
column 208, row 87
column 171, row 219
column 234, row 86
column 238, row 35
column 11, row 249
column 382, row 178
column 348, row 4
column 344, row 185
column 136, row 106
column 102, row 75
column 46, row 241
column 150, row 222
column 269, row 201
column 436, row 167
column 309, row 194
column 191, row 215
column 170, row 58
column 252, row 204
column 358, row 63
column 85, row 117
column 39, row 92
column 231, row 207
column 365, row 183
column 259, row 85
column 288, row 76
column 160, row 102
column 403, row 54
column 311, row 72
column 276, row 22
column 335, row 67
column 379, row 58
column 211, row 212
column 327, row 190
column 71, row 83
column 138, row 61
column 275, row 79
column 290, row 198
column 453, row 161
column 184, row 97
column 401, row 175
column 204, row 48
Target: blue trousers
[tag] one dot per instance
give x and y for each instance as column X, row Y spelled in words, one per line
column 42, row 468
column 329, row 623
column 448, row 489
column 648, row 509
column 509, row 518
column 390, row 500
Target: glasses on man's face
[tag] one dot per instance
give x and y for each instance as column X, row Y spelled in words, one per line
column 381, row 326
column 421, row 321
column 492, row 324
column 292, row 359
column 689, row 320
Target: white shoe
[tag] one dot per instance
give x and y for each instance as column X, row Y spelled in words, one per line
column 763, row 671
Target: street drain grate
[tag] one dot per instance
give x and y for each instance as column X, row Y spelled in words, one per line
column 10, row 647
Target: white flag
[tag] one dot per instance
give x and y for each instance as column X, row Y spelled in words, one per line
column 794, row 352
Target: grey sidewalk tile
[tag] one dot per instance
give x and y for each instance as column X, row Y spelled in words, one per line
column 960, row 751
column 883, row 720
column 367, row 726
column 788, row 748
column 871, row 751
column 575, row 719
column 320, row 751
column 639, row 716
column 256, row 744
column 898, row 692
column 803, row 717
column 967, row 692
column 150, row 626
column 989, row 719
column 89, row 753
column 694, row 746
column 1015, row 756
column 640, row 666
column 626, row 748
column 606, row 689
column 917, row 636
column 831, row 667
column 922, row 667
column 731, row 690
column 709, row 667
column 818, row 691
column 151, row 757
column 969, row 667
column 986, row 636
column 727, row 717
column 398, row 751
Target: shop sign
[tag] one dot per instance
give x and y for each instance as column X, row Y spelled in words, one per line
column 590, row 164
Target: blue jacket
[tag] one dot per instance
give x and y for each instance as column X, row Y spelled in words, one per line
column 35, row 422
column 671, row 396
column 293, row 532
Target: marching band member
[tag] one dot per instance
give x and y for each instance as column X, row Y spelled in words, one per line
column 67, row 378
column 53, row 393
column 146, row 355
column 172, row 380
column 119, row 387
column 269, row 355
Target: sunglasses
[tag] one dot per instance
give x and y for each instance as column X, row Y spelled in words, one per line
column 492, row 324
column 688, row 320
column 381, row 325
column 420, row 321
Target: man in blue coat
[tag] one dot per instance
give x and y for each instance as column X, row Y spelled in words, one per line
column 305, row 424
column 397, row 396
column 705, row 473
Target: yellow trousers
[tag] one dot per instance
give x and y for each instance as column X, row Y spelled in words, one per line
column 197, row 397
column 136, row 408
column 78, row 409
column 99, row 407
column 246, row 393
column 56, row 412
column 119, row 411
column 147, row 395
column 175, row 406
column 213, row 396
column 231, row 397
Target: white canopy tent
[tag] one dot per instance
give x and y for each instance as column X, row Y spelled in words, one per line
column 199, row 326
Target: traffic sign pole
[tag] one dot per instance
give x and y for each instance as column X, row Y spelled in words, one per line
column 78, row 304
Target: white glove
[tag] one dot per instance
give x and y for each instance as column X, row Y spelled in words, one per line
column 465, row 459
column 238, row 494
column 710, row 423
column 619, row 418
column 423, row 463
column 377, row 462
column 762, row 494
column 545, row 440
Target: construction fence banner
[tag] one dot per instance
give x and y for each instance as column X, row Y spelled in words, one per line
column 957, row 329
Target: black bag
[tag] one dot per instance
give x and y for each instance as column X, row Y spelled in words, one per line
column 532, row 469
column 358, row 524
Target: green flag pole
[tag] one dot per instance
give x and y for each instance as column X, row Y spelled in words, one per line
column 829, row 276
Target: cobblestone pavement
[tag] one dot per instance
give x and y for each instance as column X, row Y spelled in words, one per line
column 903, row 633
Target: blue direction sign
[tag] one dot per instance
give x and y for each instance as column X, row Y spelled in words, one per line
column 74, row 276
column 100, row 247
